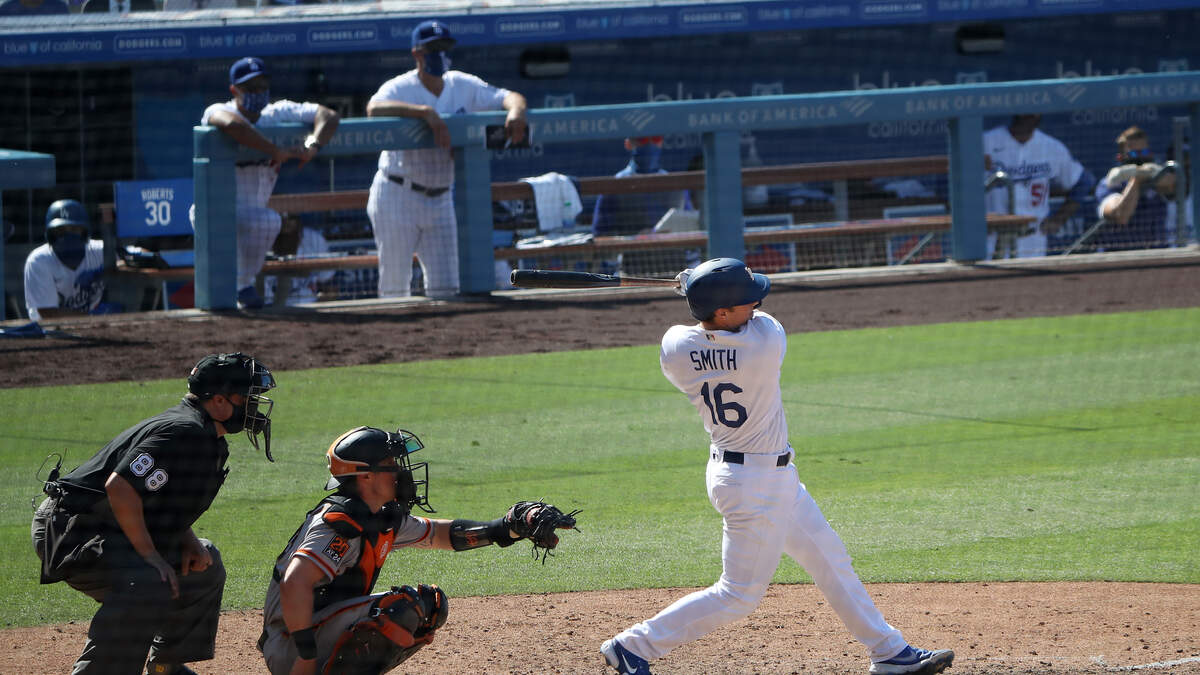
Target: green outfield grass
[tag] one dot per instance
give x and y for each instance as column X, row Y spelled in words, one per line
column 1039, row 449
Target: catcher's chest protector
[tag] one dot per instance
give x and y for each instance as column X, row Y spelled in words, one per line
column 351, row 519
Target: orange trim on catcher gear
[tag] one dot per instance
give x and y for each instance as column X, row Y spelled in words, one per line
column 339, row 467
column 330, row 516
column 316, row 559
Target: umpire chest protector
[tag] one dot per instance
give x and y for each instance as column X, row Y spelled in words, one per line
column 352, row 520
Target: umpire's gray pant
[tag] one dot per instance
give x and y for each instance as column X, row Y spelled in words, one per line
column 137, row 614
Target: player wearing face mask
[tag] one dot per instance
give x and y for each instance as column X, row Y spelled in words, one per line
column 637, row 212
column 64, row 276
column 1133, row 197
column 250, row 110
column 411, row 205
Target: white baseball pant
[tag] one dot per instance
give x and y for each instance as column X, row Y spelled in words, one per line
column 257, row 228
column 407, row 222
column 767, row 511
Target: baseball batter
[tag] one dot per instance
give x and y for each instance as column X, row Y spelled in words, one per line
column 64, row 276
column 1033, row 160
column 410, row 204
column 728, row 365
column 241, row 117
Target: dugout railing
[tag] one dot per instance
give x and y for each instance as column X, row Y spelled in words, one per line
column 19, row 170
column 719, row 123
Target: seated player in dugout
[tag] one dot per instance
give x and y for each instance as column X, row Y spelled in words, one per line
column 320, row 613
column 65, row 276
column 637, row 212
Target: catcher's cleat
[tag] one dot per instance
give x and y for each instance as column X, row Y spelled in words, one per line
column 625, row 661
column 915, row 661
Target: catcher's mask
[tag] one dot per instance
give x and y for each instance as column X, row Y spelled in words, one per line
column 238, row 373
column 361, row 450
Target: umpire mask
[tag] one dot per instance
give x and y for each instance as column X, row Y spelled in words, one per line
column 238, row 373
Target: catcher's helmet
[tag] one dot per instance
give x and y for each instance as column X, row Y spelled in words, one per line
column 66, row 213
column 238, row 373
column 361, row 450
column 723, row 282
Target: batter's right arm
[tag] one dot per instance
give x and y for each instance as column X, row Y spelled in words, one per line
column 385, row 108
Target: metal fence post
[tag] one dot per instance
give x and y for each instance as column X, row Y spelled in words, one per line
column 723, row 194
column 216, row 220
column 968, row 231
column 473, row 210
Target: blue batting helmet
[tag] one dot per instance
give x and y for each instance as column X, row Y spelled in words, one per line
column 723, row 282
column 66, row 213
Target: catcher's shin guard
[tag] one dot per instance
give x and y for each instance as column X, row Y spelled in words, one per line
column 398, row 624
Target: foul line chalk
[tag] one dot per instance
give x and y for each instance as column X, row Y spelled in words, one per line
column 1148, row 666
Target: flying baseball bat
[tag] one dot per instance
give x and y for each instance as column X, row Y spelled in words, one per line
column 561, row 279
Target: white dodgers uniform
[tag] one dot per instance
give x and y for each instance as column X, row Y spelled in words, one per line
column 411, row 206
column 356, row 559
column 733, row 380
column 49, row 283
column 1031, row 166
column 258, row 225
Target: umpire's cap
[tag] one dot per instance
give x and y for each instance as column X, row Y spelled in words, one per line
column 246, row 68
column 66, row 213
column 234, row 373
column 432, row 31
column 723, row 282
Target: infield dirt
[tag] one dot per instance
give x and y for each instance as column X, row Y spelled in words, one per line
column 993, row 627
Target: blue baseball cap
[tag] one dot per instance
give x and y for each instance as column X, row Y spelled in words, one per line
column 246, row 68
column 431, row 31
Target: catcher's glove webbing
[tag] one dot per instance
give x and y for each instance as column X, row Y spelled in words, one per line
column 537, row 522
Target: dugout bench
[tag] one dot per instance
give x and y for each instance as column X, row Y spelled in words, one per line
column 840, row 219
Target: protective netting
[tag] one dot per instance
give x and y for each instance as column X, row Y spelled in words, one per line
column 111, row 123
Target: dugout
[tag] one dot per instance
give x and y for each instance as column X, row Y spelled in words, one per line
column 126, row 114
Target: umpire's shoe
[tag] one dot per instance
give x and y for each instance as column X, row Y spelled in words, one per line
column 913, row 660
column 625, row 661
column 168, row 669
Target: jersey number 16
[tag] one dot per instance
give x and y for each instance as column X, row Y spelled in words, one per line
column 728, row 413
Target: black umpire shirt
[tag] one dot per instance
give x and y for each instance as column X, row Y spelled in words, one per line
column 174, row 460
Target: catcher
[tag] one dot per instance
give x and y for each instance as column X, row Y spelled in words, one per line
column 320, row 613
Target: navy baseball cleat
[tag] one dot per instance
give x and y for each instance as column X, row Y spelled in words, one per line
column 625, row 661
column 913, row 660
column 247, row 298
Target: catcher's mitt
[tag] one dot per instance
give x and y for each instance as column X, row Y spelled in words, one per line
column 537, row 521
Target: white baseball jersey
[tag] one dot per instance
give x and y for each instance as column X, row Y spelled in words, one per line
column 256, row 182
column 406, row 222
column 1032, row 166
column 258, row 225
column 733, row 380
column 49, row 283
column 462, row 93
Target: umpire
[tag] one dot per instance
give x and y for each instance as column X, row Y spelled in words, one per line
column 119, row 527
